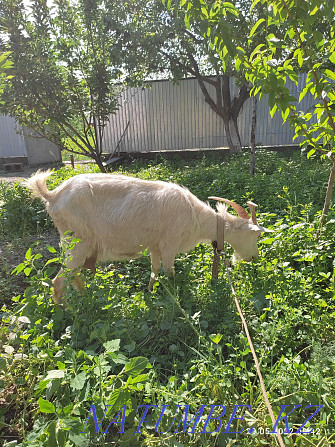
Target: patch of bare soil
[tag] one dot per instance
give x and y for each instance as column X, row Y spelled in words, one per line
column 12, row 253
column 27, row 172
column 10, row 406
column 18, row 175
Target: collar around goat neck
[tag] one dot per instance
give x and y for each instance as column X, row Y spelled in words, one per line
column 219, row 243
column 218, row 246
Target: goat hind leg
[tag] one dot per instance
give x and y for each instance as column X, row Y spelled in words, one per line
column 58, row 285
column 73, row 262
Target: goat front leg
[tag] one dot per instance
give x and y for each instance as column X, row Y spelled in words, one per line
column 155, row 266
column 58, row 285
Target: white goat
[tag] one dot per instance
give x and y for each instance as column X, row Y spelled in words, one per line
column 117, row 217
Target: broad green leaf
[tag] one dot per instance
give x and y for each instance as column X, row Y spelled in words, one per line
column 254, row 28
column 231, row 8
column 310, row 153
column 130, row 347
column 3, row 57
column 273, row 110
column 303, row 93
column 61, row 365
column 112, row 345
column 260, row 302
column 256, row 51
column 138, row 379
column 216, row 338
column 330, row 74
column 268, row 240
column 136, row 366
column 55, row 374
column 19, row 268
column 285, row 114
column 238, row 64
column 118, row 398
column 187, row 21
column 117, row 358
column 46, row 406
column 114, row 396
column 27, row 271
column 79, row 381
column 28, row 254
column 78, row 439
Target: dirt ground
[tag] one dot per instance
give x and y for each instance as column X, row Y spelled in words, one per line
column 18, row 175
column 29, row 170
column 13, row 252
column 21, row 175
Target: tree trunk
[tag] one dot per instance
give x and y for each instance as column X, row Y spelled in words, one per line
column 224, row 106
column 233, row 136
column 329, row 192
column 97, row 158
column 253, row 136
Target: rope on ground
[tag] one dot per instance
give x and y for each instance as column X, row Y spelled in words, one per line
column 267, row 402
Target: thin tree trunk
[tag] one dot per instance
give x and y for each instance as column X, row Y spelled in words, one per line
column 223, row 105
column 233, row 136
column 97, row 158
column 253, row 136
column 329, row 192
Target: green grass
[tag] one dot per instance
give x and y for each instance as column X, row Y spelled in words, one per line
column 117, row 344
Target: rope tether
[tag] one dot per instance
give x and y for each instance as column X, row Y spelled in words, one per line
column 258, row 369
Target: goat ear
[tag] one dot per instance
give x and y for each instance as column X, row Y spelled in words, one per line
column 264, row 230
column 258, row 228
column 253, row 227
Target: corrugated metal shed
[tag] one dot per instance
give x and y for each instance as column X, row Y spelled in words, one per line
column 169, row 116
column 12, row 144
column 166, row 116
column 22, row 143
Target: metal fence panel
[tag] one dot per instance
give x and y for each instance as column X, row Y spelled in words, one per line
column 168, row 116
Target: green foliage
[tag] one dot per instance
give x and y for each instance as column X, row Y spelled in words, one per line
column 117, row 344
column 304, row 182
column 297, row 39
column 284, row 38
column 199, row 39
column 5, row 66
column 67, row 70
column 19, row 214
column 309, row 44
column 220, row 24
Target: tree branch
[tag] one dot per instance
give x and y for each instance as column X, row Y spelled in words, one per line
column 239, row 100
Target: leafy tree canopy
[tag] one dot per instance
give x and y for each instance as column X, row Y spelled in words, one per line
column 5, row 65
column 67, row 70
column 298, row 36
column 200, row 39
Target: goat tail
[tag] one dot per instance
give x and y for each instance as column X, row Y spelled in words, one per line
column 37, row 184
